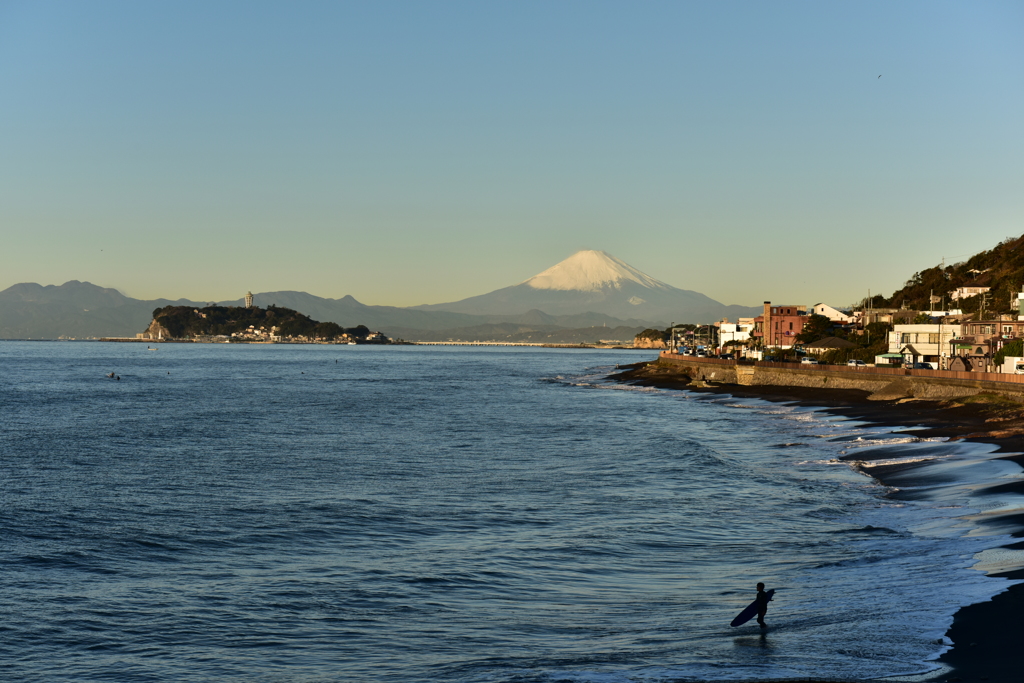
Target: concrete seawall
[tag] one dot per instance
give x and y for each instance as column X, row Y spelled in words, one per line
column 882, row 383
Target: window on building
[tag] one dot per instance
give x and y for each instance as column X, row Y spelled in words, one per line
column 791, row 326
column 1007, row 329
column 933, row 338
column 987, row 329
column 905, row 338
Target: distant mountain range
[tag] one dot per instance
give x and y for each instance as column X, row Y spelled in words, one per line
column 596, row 281
column 587, row 294
column 74, row 309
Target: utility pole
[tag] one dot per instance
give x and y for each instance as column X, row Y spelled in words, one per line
column 867, row 317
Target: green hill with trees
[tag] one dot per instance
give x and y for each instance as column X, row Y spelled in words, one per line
column 1000, row 268
column 185, row 322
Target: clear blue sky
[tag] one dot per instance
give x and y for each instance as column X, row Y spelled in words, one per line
column 414, row 152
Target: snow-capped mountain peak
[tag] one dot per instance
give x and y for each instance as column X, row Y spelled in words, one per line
column 596, row 282
column 591, row 271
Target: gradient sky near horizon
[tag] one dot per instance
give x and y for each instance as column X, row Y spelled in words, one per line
column 410, row 152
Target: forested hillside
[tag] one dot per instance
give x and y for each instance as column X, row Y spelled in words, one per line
column 186, row 321
column 1001, row 268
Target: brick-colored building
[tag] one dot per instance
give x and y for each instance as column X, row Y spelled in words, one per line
column 980, row 340
column 778, row 326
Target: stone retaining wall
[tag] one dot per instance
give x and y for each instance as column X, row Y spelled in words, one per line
column 880, row 386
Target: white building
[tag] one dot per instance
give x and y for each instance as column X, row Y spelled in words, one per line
column 967, row 292
column 832, row 314
column 923, row 343
column 734, row 332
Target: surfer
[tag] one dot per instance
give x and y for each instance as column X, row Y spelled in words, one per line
column 758, row 607
column 762, row 604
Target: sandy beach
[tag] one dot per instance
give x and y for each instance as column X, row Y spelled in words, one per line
column 984, row 635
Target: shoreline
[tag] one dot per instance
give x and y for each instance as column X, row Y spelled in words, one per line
column 983, row 634
column 538, row 345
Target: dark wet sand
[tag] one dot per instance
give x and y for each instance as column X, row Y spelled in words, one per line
column 988, row 638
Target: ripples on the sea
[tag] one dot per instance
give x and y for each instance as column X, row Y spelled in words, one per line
column 429, row 514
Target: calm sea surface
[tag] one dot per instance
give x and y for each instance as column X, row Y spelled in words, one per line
column 342, row 513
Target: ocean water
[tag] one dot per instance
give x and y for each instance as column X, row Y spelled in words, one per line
column 342, row 513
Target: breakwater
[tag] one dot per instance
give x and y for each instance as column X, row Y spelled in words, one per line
column 880, row 383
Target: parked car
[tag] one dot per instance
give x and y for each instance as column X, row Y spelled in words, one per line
column 701, row 354
column 856, row 364
column 809, row 361
column 918, row 366
column 726, row 356
column 769, row 359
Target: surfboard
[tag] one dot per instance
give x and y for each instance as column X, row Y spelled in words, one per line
column 750, row 612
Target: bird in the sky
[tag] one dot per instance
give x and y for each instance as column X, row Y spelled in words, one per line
column 879, row 76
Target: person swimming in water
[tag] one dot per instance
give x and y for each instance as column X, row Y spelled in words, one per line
column 762, row 600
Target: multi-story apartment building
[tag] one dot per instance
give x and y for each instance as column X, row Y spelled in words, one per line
column 923, row 343
column 778, row 326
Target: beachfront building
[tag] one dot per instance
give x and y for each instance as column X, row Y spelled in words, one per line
column 734, row 334
column 1005, row 328
column 980, row 340
column 923, row 343
column 778, row 326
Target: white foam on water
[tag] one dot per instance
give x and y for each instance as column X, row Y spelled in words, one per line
column 871, row 464
column 998, row 560
column 829, row 461
column 931, row 674
column 909, row 565
column 862, row 442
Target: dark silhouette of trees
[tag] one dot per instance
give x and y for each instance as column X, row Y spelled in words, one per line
column 188, row 321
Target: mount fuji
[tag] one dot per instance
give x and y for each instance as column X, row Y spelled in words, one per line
column 597, row 282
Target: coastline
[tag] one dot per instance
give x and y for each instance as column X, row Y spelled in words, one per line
column 398, row 342
column 983, row 634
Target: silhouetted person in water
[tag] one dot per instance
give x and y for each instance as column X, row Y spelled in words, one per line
column 762, row 605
